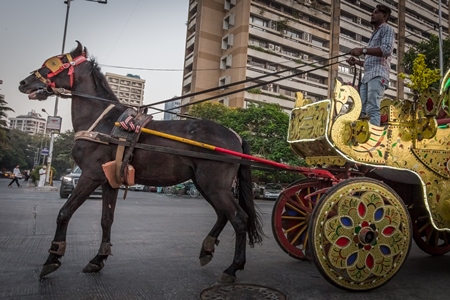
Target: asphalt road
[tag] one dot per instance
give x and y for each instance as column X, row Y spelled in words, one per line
column 156, row 241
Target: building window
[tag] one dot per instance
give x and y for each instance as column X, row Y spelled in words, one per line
column 228, row 21
column 225, row 101
column 229, row 4
column 227, row 41
column 224, row 80
column 258, row 21
column 226, row 62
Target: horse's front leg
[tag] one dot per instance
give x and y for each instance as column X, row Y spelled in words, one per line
column 109, row 196
column 82, row 191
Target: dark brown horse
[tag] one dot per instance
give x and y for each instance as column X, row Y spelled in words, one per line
column 91, row 95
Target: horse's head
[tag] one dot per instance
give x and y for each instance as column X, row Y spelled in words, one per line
column 55, row 77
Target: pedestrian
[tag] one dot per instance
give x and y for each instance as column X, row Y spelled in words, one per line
column 27, row 176
column 42, row 173
column 17, row 174
column 377, row 63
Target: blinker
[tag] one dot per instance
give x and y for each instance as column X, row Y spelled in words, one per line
column 54, row 63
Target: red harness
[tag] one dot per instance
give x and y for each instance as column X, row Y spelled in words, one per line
column 56, row 66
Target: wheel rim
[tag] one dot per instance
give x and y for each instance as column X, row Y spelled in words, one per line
column 290, row 217
column 427, row 238
column 362, row 234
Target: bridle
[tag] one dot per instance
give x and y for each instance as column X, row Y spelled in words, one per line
column 56, row 66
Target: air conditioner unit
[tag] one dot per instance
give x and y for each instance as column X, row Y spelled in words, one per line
column 358, row 3
column 307, row 36
column 305, row 56
column 305, row 93
column 277, row 48
column 358, row 20
column 271, row 46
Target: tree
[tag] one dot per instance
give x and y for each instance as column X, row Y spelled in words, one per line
column 430, row 49
column 62, row 152
column 18, row 150
column 263, row 126
column 3, row 125
column 210, row 110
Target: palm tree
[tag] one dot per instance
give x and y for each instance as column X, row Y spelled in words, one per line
column 3, row 122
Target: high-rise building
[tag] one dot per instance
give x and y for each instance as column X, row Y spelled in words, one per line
column 171, row 109
column 129, row 89
column 31, row 123
column 230, row 41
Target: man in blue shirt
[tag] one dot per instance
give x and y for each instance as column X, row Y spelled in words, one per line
column 377, row 63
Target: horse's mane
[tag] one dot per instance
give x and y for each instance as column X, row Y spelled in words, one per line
column 100, row 80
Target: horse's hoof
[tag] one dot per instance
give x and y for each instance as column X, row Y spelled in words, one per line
column 205, row 259
column 226, row 278
column 47, row 269
column 93, row 268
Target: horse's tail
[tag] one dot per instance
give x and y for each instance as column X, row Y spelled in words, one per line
column 254, row 224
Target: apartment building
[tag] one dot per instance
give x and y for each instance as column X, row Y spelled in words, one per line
column 229, row 41
column 31, row 123
column 171, row 109
column 129, row 89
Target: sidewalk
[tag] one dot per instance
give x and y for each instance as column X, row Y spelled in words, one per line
column 29, row 185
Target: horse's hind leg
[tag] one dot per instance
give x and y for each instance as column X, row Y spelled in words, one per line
column 84, row 188
column 238, row 219
column 109, row 196
column 207, row 251
column 227, row 210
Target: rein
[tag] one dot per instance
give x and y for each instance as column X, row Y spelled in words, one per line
column 68, row 93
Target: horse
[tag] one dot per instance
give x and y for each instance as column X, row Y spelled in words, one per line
column 95, row 109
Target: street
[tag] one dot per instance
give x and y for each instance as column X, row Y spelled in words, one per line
column 156, row 242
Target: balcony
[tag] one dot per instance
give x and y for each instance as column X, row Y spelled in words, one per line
column 193, row 5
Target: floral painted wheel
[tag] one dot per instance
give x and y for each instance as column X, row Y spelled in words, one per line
column 427, row 238
column 291, row 214
column 361, row 233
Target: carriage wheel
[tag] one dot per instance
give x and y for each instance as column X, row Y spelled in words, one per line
column 291, row 214
column 361, row 234
column 427, row 238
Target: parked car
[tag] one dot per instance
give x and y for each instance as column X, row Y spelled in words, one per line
column 150, row 188
column 70, row 181
column 137, row 187
column 256, row 190
column 272, row 190
column 8, row 174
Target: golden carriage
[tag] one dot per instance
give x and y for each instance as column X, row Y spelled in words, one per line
column 388, row 184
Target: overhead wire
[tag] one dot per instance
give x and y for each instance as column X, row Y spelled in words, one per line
column 240, row 82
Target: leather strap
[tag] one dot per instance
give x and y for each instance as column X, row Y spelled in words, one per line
column 119, row 156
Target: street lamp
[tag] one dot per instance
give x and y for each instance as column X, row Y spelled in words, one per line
column 45, row 111
column 52, row 139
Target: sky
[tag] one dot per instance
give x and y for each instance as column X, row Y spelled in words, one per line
column 143, row 34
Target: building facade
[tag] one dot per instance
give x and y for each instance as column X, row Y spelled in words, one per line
column 31, row 123
column 129, row 89
column 229, row 41
column 171, row 109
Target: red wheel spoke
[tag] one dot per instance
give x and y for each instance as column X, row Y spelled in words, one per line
column 291, row 215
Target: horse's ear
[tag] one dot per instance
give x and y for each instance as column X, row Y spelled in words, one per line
column 78, row 50
column 85, row 52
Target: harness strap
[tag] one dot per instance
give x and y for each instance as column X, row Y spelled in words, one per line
column 101, row 116
column 119, row 156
